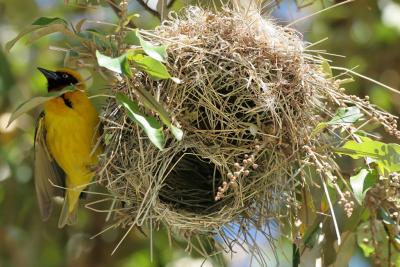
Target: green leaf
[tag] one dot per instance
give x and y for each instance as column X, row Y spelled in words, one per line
column 125, row 67
column 43, row 21
column 40, row 23
column 78, row 26
column 113, row 64
column 12, row 42
column 40, row 31
column 154, row 68
column 346, row 115
column 118, row 64
column 157, row 52
column 36, row 101
column 362, row 182
column 150, row 102
column 357, row 184
column 387, row 156
column 343, row 116
column 150, row 125
column 131, row 38
column 49, row 29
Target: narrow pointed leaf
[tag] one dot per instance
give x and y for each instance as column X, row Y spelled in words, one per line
column 357, row 184
column 362, row 182
column 78, row 26
column 155, row 69
column 40, row 23
column 118, row 64
column 36, row 101
column 12, row 42
column 150, row 102
column 158, row 52
column 42, row 30
column 53, row 28
column 150, row 125
column 113, row 64
column 43, row 21
column 125, row 66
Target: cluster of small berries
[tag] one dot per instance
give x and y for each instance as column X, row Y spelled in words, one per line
column 387, row 193
column 241, row 170
column 387, row 120
column 347, row 202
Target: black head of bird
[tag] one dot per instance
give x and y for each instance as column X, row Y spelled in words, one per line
column 57, row 80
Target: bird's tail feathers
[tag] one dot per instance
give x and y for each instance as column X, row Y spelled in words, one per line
column 69, row 210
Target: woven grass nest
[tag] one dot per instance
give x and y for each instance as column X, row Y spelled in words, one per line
column 249, row 100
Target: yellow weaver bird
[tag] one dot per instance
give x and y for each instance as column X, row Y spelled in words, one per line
column 65, row 139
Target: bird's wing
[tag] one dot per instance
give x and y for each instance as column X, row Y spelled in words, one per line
column 48, row 174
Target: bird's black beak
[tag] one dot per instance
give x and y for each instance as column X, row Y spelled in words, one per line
column 50, row 75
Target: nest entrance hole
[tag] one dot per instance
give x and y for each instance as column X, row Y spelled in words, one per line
column 192, row 184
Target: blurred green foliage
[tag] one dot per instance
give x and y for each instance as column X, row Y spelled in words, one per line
column 366, row 32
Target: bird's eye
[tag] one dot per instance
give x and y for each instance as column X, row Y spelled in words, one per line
column 65, row 76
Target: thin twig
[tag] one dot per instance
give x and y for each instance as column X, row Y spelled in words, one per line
column 367, row 78
column 332, row 211
column 318, row 12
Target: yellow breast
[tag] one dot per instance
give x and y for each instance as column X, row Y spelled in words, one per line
column 71, row 132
